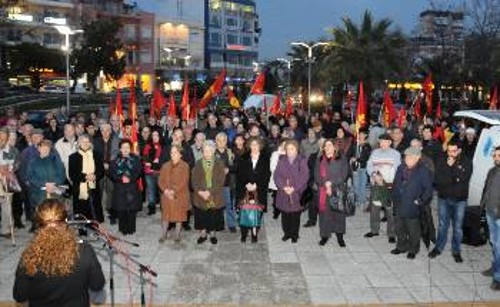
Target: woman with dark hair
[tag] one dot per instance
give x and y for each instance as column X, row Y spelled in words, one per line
column 291, row 176
column 151, row 155
column 86, row 169
column 125, row 170
column 345, row 143
column 207, row 179
column 330, row 175
column 54, row 269
column 253, row 175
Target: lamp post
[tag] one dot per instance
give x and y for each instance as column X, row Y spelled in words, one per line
column 289, row 66
column 66, row 31
column 309, row 68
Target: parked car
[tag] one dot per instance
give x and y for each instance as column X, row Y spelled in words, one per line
column 52, row 89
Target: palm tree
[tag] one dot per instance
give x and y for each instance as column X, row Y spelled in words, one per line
column 371, row 52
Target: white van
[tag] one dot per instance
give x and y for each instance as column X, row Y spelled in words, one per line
column 488, row 140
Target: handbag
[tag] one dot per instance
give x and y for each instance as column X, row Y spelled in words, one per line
column 250, row 215
column 342, row 201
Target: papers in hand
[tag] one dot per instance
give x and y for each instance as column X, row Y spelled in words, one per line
column 59, row 190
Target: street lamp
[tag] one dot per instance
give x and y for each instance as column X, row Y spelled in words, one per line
column 309, row 58
column 289, row 66
column 66, row 31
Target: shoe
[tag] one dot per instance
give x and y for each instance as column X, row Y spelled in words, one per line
column 213, row 240
column 243, row 239
column 487, row 273
column 162, row 239
column 411, row 256
column 341, row 242
column 232, row 229
column 201, row 240
column 285, row 238
column 434, row 253
column 495, row 285
column 397, row 251
column 457, row 257
column 323, row 241
column 254, row 239
column 384, row 219
column 294, row 240
column 151, row 210
column 309, row 224
column 370, row 235
column 276, row 215
column 392, row 240
column 177, row 239
column 19, row 225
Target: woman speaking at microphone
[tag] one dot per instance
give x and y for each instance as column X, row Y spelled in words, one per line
column 55, row 270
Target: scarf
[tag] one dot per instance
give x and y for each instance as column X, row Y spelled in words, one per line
column 323, row 173
column 88, row 167
column 208, row 167
column 124, row 166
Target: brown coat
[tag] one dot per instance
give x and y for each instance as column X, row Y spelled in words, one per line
column 199, row 184
column 175, row 177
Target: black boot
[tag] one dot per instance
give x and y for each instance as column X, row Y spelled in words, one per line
column 340, row 239
column 151, row 210
column 243, row 237
column 323, row 241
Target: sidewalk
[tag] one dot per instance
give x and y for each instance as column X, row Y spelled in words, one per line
column 275, row 272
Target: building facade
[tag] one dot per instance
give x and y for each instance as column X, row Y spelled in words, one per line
column 34, row 20
column 232, row 37
column 440, row 33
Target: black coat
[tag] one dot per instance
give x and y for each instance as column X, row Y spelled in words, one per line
column 126, row 196
column 68, row 291
column 247, row 174
column 453, row 181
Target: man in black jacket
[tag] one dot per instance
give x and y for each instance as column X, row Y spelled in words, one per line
column 490, row 202
column 452, row 178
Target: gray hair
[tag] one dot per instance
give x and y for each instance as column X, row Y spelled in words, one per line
column 209, row 144
column 221, row 135
column 105, row 126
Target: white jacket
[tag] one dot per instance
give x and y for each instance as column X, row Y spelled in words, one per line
column 65, row 148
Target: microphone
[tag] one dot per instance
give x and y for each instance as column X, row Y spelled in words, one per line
column 79, row 222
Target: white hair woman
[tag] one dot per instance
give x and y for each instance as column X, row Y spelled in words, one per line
column 207, row 180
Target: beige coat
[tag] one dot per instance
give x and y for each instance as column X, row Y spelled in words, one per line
column 175, row 177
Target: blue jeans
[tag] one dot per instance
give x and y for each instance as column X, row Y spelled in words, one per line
column 359, row 179
column 151, row 189
column 229, row 208
column 449, row 209
column 494, row 228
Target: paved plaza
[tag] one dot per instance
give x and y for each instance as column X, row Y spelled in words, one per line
column 275, row 272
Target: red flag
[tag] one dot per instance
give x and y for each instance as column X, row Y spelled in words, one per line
column 494, row 99
column 264, row 104
column 119, row 104
column 276, row 107
column 289, row 107
column 213, row 90
column 172, row 111
column 185, row 101
column 390, row 113
column 427, row 87
column 418, row 108
column 258, row 86
column 401, row 117
column 194, row 104
column 132, row 114
column 157, row 103
column 361, row 108
column 439, row 112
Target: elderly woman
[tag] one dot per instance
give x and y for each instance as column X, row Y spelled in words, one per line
column 207, row 179
column 45, row 172
column 174, row 187
column 330, row 173
column 125, row 170
column 86, row 169
column 291, row 176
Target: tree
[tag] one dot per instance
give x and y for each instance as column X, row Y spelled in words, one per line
column 101, row 50
column 30, row 59
column 371, row 52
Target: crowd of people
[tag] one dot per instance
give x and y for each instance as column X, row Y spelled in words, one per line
column 226, row 169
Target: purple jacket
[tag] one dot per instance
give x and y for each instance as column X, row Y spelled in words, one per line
column 295, row 174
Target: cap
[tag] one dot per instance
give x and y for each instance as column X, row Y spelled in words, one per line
column 412, row 151
column 385, row 136
column 37, row 131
